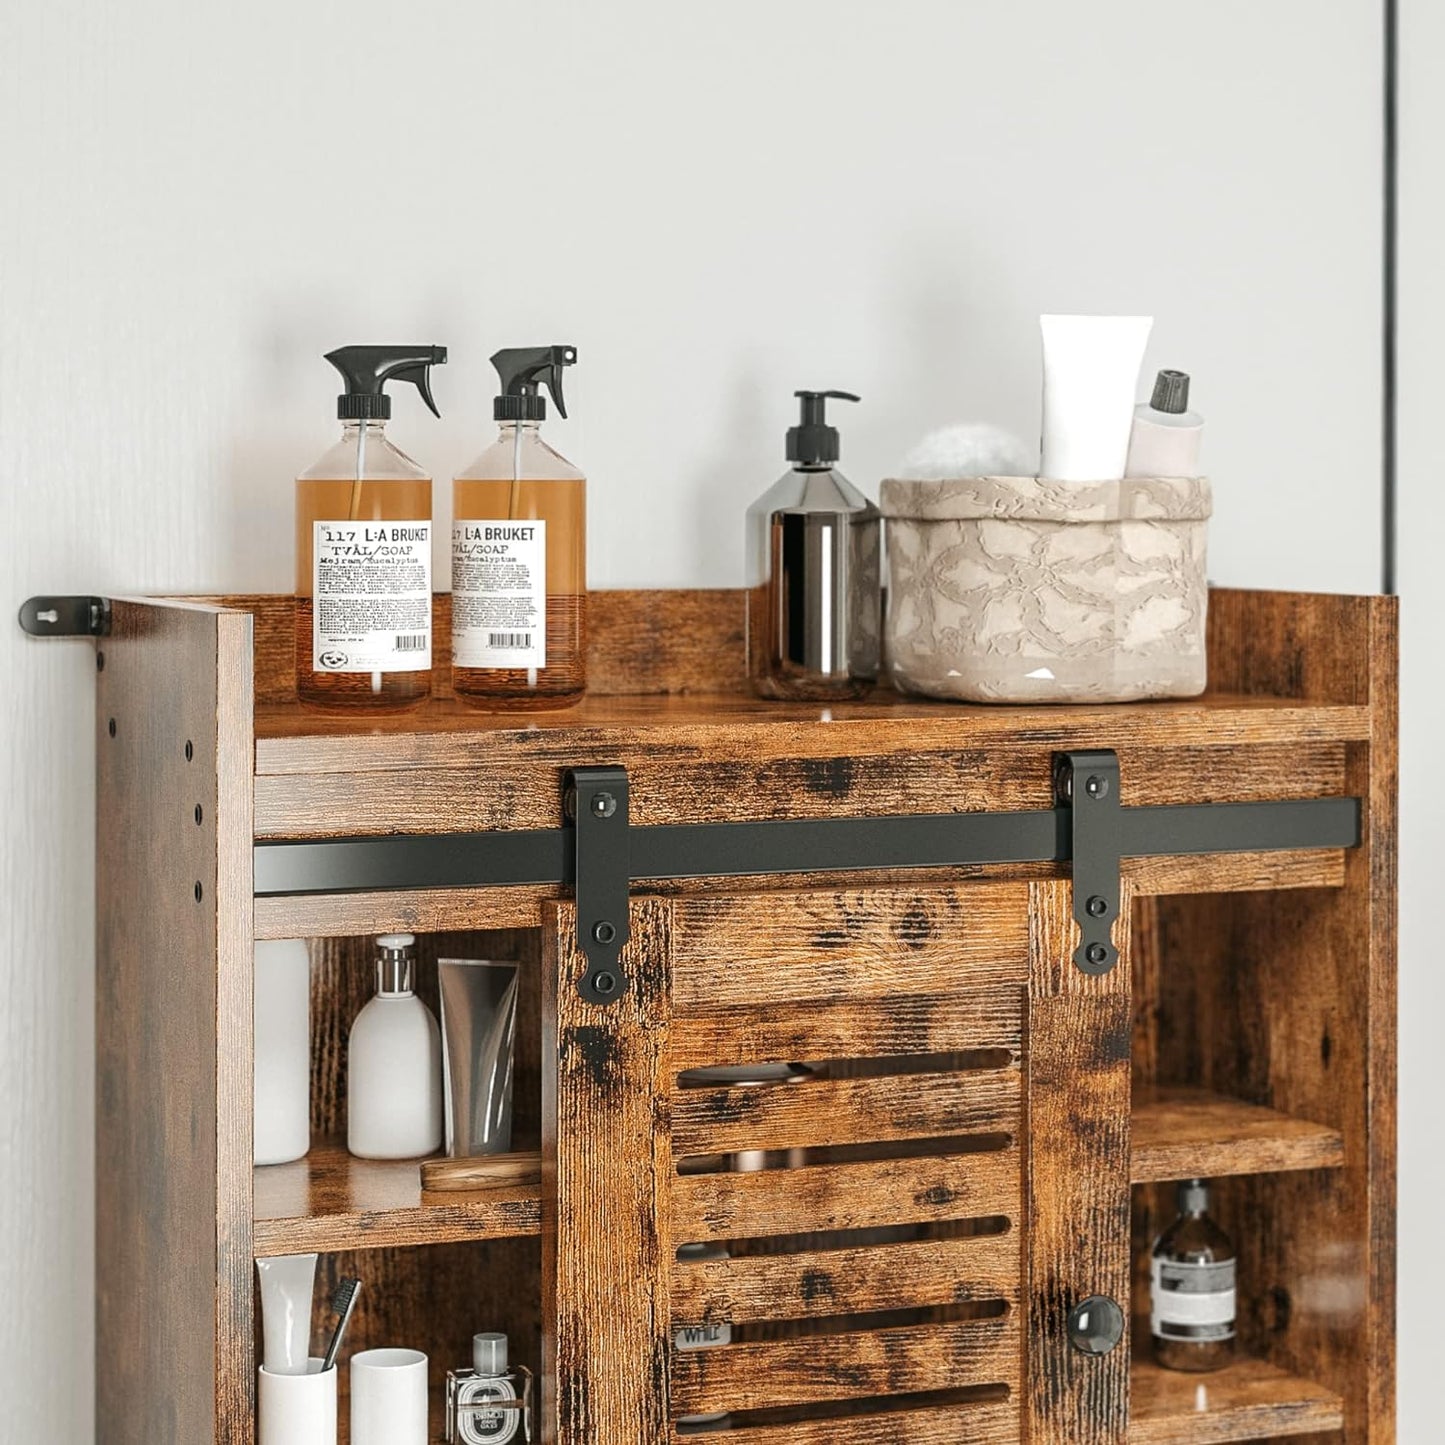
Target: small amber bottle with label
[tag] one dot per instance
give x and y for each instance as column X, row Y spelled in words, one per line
column 1192, row 1288
column 519, row 552
column 363, row 547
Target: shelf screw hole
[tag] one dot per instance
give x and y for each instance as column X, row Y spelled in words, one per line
column 110, row 727
column 100, row 662
column 190, row 751
column 199, row 815
column 199, row 890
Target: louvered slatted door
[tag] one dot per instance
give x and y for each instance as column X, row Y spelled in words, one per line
column 886, row 1240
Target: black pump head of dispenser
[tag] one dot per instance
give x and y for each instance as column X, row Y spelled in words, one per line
column 813, row 443
column 367, row 369
column 523, row 369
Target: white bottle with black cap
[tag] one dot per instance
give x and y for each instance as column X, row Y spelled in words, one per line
column 394, row 1063
column 1166, row 435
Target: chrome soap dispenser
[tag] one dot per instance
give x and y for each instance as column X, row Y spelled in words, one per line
column 814, row 592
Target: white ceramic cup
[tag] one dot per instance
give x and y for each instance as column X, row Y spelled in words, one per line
column 388, row 1398
column 296, row 1409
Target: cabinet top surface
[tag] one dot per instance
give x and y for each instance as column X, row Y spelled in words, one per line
column 667, row 681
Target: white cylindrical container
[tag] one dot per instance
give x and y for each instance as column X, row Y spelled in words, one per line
column 394, row 1064
column 296, row 1409
column 282, row 1015
column 388, row 1398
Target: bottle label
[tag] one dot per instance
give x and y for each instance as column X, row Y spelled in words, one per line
column 1193, row 1302
column 371, row 596
column 479, row 1426
column 499, row 594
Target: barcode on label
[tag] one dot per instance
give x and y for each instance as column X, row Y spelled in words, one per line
column 411, row 641
column 510, row 640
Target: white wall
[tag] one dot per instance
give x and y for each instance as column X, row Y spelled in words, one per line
column 1422, row 715
column 717, row 205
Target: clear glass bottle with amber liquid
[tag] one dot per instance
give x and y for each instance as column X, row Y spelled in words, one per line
column 519, row 552
column 363, row 548
column 1192, row 1288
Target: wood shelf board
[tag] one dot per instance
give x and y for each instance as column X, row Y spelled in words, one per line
column 1249, row 1400
column 330, row 1200
column 1193, row 1133
column 444, row 733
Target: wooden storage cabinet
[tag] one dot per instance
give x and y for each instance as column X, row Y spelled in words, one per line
column 988, row 1132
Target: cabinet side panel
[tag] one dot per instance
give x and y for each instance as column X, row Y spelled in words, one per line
column 172, row 996
column 1077, row 1203
column 607, row 1162
column 234, row 762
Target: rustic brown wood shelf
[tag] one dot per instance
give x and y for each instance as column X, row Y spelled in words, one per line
column 1193, row 1133
column 332, row 1201
column 1011, row 1121
column 1249, row 1400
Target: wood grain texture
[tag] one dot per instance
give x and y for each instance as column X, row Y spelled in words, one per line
column 512, row 776
column 173, row 1025
column 846, row 1366
column 959, row 1021
column 1250, row 1400
column 846, row 1111
column 331, row 1200
column 810, row 947
column 482, row 1172
column 982, row 1423
column 1077, row 1195
column 606, row 1162
column 864, row 1195
column 819, row 1283
column 694, row 643
column 1192, row 1133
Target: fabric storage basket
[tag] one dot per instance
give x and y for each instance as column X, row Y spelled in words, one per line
column 1023, row 589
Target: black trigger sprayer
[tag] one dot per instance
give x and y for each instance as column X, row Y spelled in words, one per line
column 522, row 370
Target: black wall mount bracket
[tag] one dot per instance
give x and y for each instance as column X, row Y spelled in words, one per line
column 595, row 804
column 66, row 616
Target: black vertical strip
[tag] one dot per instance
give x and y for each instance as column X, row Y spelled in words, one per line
column 1391, row 298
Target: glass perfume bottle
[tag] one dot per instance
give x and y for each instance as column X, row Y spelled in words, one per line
column 489, row 1404
column 1192, row 1290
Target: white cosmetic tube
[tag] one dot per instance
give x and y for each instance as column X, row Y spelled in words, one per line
column 287, row 1284
column 1091, row 374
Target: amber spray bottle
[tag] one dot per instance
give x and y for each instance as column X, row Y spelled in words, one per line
column 363, row 547
column 1192, row 1288
column 519, row 552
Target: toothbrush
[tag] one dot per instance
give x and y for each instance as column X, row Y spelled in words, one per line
column 343, row 1302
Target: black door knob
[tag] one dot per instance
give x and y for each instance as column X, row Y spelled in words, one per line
column 1096, row 1325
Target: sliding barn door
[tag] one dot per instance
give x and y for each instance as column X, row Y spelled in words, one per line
column 877, row 1223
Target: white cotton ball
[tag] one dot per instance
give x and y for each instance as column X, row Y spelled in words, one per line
column 970, row 449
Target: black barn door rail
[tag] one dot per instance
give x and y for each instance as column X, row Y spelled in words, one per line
column 1087, row 828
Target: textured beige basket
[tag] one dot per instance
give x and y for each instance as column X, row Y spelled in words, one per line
column 1023, row 589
